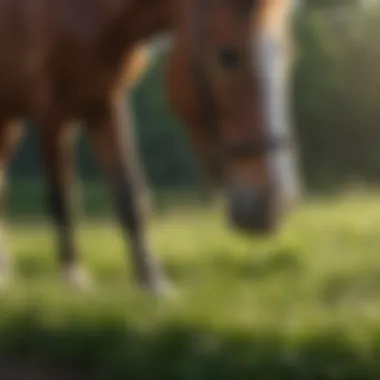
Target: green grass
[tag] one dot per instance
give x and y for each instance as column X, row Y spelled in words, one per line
column 302, row 305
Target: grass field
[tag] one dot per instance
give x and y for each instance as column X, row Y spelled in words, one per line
column 304, row 305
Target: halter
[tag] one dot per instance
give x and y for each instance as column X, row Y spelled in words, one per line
column 220, row 150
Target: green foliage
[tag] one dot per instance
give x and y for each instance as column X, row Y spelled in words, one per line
column 301, row 306
column 163, row 141
column 337, row 96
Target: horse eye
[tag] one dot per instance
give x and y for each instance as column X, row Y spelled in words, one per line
column 229, row 58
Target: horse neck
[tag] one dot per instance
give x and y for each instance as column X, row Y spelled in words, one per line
column 134, row 21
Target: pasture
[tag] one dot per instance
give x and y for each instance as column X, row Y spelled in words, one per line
column 304, row 305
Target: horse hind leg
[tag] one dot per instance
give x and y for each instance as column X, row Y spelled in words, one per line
column 57, row 139
column 10, row 136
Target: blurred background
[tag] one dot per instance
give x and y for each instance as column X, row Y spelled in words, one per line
column 336, row 106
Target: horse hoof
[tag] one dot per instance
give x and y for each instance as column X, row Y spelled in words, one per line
column 77, row 278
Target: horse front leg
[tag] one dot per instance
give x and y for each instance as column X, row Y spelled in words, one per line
column 56, row 141
column 112, row 139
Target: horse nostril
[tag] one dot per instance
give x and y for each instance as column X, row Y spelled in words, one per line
column 250, row 211
column 229, row 58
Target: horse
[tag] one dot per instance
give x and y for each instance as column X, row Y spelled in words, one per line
column 65, row 63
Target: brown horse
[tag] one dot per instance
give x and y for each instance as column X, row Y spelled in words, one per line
column 63, row 61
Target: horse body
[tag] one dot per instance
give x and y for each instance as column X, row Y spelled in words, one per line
column 66, row 60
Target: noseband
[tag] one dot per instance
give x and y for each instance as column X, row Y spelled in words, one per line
column 209, row 115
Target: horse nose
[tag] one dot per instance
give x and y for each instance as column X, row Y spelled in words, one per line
column 250, row 210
